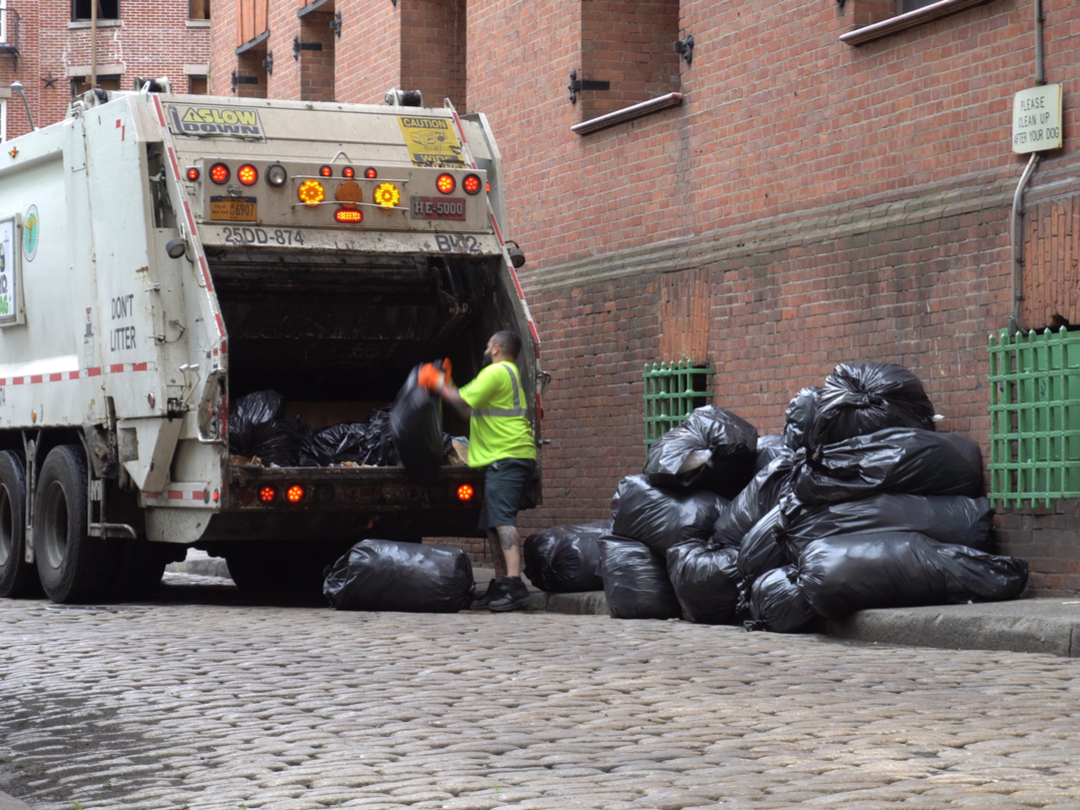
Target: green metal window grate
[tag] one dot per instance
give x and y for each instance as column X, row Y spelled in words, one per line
column 672, row 391
column 1034, row 417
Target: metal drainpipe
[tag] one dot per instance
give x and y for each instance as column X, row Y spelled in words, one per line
column 1015, row 236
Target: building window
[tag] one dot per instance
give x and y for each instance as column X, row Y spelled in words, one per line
column 1034, row 417
column 3, row 22
column 3, row 119
column 197, row 85
column 80, row 84
column 904, row 6
column 107, row 9
column 198, row 9
column 672, row 392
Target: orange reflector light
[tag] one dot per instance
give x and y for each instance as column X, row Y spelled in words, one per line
column 387, row 195
column 471, row 184
column 311, row 192
column 219, row 173
column 192, row 174
column 326, row 171
column 247, row 174
column 266, row 494
column 370, row 173
column 349, row 172
column 295, row 493
column 445, row 183
column 349, row 215
column 465, row 492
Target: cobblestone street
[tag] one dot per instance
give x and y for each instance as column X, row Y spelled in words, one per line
column 197, row 701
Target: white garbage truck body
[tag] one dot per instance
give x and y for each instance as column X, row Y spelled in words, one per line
column 165, row 255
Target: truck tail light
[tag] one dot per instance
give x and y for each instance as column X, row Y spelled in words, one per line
column 349, row 215
column 311, row 192
column 220, row 173
column 370, row 173
column 326, row 171
column 348, row 172
column 267, row 494
column 445, row 183
column 471, row 184
column 465, row 493
column 193, row 174
column 295, row 493
column 247, row 174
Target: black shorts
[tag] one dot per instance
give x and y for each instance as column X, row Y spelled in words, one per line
column 505, row 483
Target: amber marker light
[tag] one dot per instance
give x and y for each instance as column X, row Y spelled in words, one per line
column 465, row 492
column 295, row 493
column 387, row 195
column 349, row 215
column 311, row 192
column 247, row 174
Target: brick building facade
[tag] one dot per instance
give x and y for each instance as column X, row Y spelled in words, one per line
column 47, row 48
column 820, row 182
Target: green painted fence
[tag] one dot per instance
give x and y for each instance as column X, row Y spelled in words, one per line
column 672, row 391
column 1034, row 417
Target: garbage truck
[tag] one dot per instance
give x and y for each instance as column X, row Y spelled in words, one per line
column 164, row 255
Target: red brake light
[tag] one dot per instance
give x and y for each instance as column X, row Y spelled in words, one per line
column 349, row 215
column 370, row 173
column 295, row 493
column 220, row 173
column 445, row 183
column 349, row 172
column 465, row 492
column 471, row 184
column 326, row 171
column 192, row 174
column 247, row 496
column 266, row 494
column 489, row 187
column 247, row 174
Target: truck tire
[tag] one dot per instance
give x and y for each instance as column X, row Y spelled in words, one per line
column 73, row 566
column 18, row 578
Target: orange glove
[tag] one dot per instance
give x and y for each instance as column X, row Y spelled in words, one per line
column 431, row 377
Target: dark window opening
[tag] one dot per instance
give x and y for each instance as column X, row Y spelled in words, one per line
column 107, row 9
column 199, row 9
column 197, row 86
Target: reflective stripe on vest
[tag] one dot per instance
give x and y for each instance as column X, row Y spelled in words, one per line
column 517, row 410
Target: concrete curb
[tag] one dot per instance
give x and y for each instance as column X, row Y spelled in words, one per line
column 1050, row 626
column 9, row 803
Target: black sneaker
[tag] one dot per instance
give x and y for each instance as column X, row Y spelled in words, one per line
column 515, row 595
column 494, row 589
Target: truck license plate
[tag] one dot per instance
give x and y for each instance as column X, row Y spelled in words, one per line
column 233, row 209
column 436, row 208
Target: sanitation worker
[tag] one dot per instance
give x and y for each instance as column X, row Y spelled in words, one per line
column 500, row 439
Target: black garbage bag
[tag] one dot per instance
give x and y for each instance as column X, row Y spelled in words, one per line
column 897, row 460
column 799, row 417
column 843, row 574
column 566, row 559
column 862, row 398
column 769, row 448
column 706, row 582
column 366, row 442
column 713, row 449
column 760, row 550
column 662, row 518
column 945, row 518
column 416, row 429
column 259, row 426
column 636, row 582
column 761, row 494
column 777, row 604
column 388, row 575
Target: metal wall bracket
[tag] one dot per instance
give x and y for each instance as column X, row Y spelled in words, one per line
column 685, row 47
column 577, row 85
column 268, row 63
column 298, row 46
column 335, row 24
column 237, row 79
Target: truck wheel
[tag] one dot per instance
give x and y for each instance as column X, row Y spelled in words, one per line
column 18, row 579
column 73, row 566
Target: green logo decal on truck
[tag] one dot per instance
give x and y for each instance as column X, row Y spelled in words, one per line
column 31, row 233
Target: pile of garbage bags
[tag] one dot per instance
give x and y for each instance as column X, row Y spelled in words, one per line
column 859, row 503
column 407, row 434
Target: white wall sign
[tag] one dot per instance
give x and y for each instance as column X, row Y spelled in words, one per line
column 1037, row 119
column 11, row 311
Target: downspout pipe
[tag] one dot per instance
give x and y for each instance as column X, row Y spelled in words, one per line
column 1016, row 237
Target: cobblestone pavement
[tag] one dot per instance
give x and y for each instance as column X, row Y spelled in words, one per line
column 200, row 701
